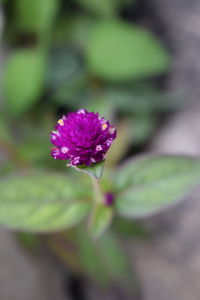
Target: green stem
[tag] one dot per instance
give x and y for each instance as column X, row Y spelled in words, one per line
column 98, row 194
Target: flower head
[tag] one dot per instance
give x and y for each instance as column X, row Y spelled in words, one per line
column 82, row 137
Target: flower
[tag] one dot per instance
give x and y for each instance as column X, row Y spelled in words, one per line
column 82, row 137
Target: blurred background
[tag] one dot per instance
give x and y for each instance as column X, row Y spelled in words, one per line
column 137, row 63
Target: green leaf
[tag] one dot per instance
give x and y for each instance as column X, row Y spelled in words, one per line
column 24, row 78
column 90, row 259
column 131, row 229
column 63, row 67
column 74, row 31
column 100, row 220
column 96, row 170
column 41, row 202
column 152, row 183
column 141, row 99
column 5, row 131
column 115, row 261
column 103, row 8
column 67, row 77
column 103, row 259
column 119, row 51
column 35, row 16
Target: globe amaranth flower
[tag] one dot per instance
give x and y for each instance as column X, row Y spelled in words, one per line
column 82, row 138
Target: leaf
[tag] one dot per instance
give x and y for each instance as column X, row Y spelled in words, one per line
column 131, row 229
column 152, row 183
column 63, row 67
column 119, row 51
column 67, row 77
column 35, row 16
column 41, row 202
column 24, row 78
column 103, row 259
column 96, row 170
column 141, row 99
column 5, row 131
column 74, row 30
column 115, row 259
column 102, row 8
column 90, row 259
column 100, row 220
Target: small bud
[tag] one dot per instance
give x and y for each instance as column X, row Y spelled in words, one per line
column 109, row 199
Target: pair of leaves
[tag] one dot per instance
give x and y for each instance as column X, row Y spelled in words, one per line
column 47, row 202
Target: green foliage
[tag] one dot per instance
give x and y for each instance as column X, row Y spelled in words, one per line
column 48, row 202
column 104, row 8
column 36, row 151
column 82, row 54
column 100, row 220
column 119, row 51
column 90, row 261
column 30, row 241
column 142, row 127
column 67, row 77
column 152, row 183
column 63, row 67
column 35, row 16
column 130, row 229
column 96, row 170
column 139, row 100
column 5, row 132
column 75, row 30
column 24, row 78
column 103, row 259
column 41, row 202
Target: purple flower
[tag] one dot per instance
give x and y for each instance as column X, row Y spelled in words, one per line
column 82, row 137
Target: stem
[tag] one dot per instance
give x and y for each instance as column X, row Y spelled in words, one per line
column 98, row 194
